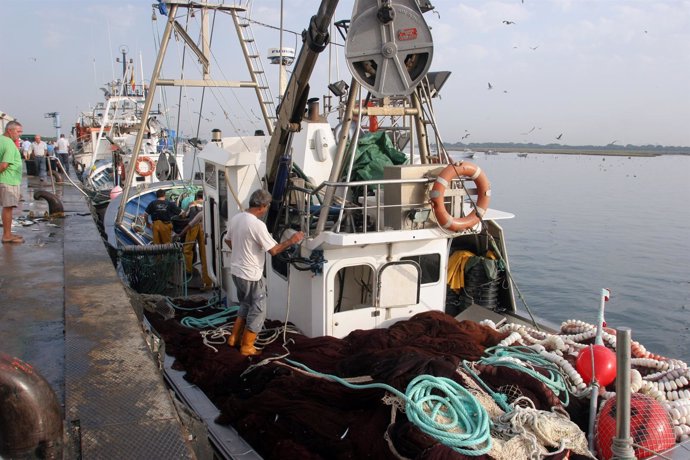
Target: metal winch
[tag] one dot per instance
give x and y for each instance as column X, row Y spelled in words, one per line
column 389, row 46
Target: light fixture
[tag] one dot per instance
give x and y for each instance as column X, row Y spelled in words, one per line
column 436, row 81
column 339, row 88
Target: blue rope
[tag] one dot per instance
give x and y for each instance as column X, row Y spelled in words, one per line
column 505, row 356
column 212, row 302
column 499, row 398
column 214, row 320
column 427, row 397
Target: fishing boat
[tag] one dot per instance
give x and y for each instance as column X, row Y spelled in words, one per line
column 393, row 329
column 106, row 134
column 121, row 221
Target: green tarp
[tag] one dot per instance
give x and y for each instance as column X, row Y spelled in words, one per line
column 375, row 151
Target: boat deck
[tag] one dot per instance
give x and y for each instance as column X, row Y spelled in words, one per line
column 65, row 312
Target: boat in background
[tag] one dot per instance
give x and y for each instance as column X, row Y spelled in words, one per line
column 106, row 135
column 393, row 329
column 121, row 222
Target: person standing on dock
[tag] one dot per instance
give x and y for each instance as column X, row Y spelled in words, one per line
column 10, row 179
column 193, row 234
column 39, row 153
column 62, row 149
column 26, row 148
column 249, row 240
column 161, row 211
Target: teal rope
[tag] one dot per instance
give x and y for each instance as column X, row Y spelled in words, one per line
column 497, row 356
column 499, row 398
column 439, row 396
column 213, row 301
column 213, row 320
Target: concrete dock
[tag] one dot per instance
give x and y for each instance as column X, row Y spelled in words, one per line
column 64, row 311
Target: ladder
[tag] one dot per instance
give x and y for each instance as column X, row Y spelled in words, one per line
column 256, row 70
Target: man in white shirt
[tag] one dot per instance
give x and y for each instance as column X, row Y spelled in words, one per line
column 62, row 149
column 39, row 152
column 26, row 148
column 249, row 240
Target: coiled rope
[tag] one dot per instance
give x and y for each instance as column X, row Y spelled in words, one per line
column 213, row 320
column 439, row 407
column 525, row 359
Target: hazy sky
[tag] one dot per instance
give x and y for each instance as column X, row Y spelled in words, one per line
column 595, row 71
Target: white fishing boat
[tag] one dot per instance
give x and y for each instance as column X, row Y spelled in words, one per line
column 122, row 218
column 106, row 136
column 393, row 330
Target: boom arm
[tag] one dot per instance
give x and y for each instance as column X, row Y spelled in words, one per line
column 294, row 100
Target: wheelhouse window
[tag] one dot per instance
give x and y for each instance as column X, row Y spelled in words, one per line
column 354, row 288
column 430, row 265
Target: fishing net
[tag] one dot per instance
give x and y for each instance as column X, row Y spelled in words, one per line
column 286, row 413
column 153, row 269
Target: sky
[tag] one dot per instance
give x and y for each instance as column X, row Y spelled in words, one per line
column 594, row 72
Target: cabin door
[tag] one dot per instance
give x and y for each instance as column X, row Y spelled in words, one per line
column 397, row 289
column 352, row 293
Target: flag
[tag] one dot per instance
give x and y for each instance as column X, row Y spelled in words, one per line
column 131, row 81
column 606, row 294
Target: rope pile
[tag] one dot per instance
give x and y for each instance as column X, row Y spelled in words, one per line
column 664, row 379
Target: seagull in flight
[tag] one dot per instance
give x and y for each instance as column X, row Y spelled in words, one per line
column 466, row 136
column 490, row 85
column 613, row 142
column 533, row 128
column 507, row 22
column 533, row 47
column 559, row 136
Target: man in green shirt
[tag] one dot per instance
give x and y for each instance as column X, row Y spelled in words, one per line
column 10, row 178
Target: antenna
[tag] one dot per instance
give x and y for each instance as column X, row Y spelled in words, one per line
column 282, row 57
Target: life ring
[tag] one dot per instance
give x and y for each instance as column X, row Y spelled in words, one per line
column 146, row 170
column 437, row 194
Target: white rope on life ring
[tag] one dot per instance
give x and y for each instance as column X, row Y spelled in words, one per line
column 437, row 195
column 148, row 170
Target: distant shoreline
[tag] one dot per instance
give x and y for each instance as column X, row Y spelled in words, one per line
column 571, row 151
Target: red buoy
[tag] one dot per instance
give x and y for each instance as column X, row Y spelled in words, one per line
column 604, row 368
column 650, row 427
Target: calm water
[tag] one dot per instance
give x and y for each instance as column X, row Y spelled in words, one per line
column 588, row 222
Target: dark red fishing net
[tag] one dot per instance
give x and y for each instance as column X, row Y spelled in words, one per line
column 284, row 413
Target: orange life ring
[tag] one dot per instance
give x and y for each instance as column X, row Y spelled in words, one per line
column 437, row 194
column 150, row 168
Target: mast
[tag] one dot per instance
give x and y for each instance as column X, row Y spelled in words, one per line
column 294, row 100
column 204, row 56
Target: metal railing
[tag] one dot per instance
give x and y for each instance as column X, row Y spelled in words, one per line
column 304, row 198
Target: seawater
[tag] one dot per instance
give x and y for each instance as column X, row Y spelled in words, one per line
column 586, row 222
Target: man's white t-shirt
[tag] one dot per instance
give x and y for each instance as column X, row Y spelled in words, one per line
column 250, row 242
column 62, row 145
column 39, row 148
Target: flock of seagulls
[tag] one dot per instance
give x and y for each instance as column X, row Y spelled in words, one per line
column 490, row 86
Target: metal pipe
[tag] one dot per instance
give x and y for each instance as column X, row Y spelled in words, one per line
column 146, row 111
column 422, row 141
column 339, row 156
column 621, row 447
column 352, row 151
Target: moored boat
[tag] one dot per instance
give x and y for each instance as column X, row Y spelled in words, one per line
column 395, row 331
